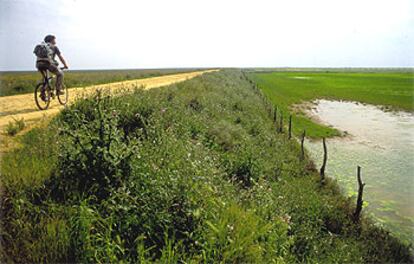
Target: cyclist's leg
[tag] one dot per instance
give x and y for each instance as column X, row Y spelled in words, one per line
column 42, row 67
column 59, row 76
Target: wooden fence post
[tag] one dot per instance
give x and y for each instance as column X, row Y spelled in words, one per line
column 290, row 126
column 325, row 159
column 360, row 202
column 302, row 149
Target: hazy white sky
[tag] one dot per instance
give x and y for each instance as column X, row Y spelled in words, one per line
column 189, row 33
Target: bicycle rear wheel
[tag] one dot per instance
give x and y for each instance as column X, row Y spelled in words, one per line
column 42, row 96
column 63, row 98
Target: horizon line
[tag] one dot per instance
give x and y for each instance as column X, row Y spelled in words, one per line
column 230, row 67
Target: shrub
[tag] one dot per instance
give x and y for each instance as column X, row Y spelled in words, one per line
column 94, row 159
column 242, row 168
column 225, row 135
column 15, row 127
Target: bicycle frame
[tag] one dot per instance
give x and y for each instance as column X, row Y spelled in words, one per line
column 45, row 90
column 46, row 77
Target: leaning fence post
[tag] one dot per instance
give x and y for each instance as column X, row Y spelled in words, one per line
column 360, row 202
column 302, row 149
column 290, row 126
column 325, row 159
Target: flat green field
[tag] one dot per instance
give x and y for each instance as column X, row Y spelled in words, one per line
column 12, row 83
column 285, row 89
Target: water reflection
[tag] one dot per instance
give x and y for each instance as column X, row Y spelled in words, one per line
column 382, row 143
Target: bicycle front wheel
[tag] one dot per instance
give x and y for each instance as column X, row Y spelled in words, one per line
column 42, row 96
column 63, row 98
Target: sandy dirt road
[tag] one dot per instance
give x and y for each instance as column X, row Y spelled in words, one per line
column 23, row 106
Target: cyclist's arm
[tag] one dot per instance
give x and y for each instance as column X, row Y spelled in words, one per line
column 62, row 60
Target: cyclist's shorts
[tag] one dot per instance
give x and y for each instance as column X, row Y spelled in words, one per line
column 42, row 65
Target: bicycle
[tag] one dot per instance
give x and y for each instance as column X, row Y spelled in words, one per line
column 44, row 91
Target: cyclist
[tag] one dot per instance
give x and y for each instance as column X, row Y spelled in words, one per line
column 50, row 63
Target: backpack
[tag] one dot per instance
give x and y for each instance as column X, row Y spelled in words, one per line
column 43, row 51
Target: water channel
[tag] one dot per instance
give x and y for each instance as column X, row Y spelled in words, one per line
column 382, row 143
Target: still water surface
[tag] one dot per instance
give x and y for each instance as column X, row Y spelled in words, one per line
column 382, row 143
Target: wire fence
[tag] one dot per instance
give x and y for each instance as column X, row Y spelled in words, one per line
column 277, row 115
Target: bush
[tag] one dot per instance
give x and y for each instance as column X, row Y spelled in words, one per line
column 15, row 127
column 242, row 168
column 225, row 135
column 94, row 159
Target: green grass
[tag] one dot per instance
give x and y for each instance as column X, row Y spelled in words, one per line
column 193, row 172
column 389, row 90
column 12, row 83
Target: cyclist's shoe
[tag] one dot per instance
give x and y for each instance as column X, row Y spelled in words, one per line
column 60, row 92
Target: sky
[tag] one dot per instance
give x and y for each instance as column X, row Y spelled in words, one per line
column 105, row 34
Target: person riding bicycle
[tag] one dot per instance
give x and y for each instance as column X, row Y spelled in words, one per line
column 46, row 53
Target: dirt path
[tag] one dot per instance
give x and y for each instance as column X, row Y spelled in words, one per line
column 23, row 106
